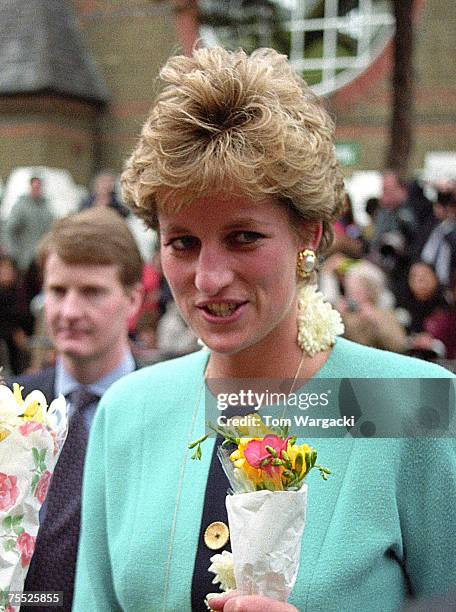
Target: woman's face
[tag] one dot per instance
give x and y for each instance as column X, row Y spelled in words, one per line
column 423, row 282
column 231, row 265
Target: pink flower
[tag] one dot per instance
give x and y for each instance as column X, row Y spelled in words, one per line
column 26, row 545
column 256, row 452
column 8, row 491
column 29, row 426
column 43, row 486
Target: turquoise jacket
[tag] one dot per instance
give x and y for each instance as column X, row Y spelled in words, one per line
column 380, row 529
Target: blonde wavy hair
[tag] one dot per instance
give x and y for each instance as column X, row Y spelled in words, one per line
column 228, row 121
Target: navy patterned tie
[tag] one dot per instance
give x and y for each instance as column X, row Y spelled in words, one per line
column 54, row 561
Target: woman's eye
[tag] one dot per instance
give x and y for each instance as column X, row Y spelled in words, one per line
column 245, row 237
column 182, row 243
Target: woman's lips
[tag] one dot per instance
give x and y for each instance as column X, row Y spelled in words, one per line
column 222, row 312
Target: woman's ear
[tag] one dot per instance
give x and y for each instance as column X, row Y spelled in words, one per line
column 310, row 235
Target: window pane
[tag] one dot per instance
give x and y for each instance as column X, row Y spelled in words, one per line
column 328, row 41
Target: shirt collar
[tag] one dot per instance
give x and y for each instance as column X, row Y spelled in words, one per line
column 65, row 383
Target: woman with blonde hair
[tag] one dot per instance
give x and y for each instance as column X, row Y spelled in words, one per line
column 236, row 168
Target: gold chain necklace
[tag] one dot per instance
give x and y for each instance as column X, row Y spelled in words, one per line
column 295, row 378
column 297, row 374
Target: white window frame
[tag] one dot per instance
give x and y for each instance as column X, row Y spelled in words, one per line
column 365, row 21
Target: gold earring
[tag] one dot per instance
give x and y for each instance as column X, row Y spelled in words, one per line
column 306, row 263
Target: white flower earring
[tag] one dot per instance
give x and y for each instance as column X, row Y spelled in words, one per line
column 318, row 322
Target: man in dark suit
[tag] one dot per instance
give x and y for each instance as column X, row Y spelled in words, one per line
column 91, row 280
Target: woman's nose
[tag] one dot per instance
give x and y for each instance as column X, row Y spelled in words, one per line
column 213, row 271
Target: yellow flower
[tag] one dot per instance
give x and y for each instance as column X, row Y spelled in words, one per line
column 34, row 404
column 17, row 393
column 15, row 411
column 35, row 407
column 300, row 458
column 9, row 411
column 34, row 412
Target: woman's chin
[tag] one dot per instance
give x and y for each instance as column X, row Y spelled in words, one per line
column 224, row 346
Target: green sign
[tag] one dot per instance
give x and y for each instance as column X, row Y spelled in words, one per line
column 348, row 153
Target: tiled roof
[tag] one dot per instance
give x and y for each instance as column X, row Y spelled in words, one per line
column 42, row 49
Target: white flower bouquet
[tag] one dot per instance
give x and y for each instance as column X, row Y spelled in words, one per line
column 31, row 437
column 266, row 510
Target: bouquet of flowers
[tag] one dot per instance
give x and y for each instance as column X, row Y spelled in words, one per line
column 266, row 507
column 31, row 437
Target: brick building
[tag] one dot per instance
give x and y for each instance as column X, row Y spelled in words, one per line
column 77, row 78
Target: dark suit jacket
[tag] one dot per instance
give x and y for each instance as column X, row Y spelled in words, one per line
column 43, row 381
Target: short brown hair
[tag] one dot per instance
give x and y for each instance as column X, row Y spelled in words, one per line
column 227, row 119
column 97, row 236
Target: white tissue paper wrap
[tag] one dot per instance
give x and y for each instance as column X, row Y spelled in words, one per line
column 266, row 530
column 27, row 459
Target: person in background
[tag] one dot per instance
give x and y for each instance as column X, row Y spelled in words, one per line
column 393, row 213
column 438, row 212
column 437, row 337
column 421, row 206
column 394, row 233
column 371, row 207
column 91, row 279
column 29, row 219
column 174, row 336
column 348, row 247
column 440, row 248
column 144, row 345
column 348, row 238
column 14, row 318
column 426, row 294
column 104, row 194
column 366, row 311
column 151, row 279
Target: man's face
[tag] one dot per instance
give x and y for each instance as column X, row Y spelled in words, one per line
column 35, row 188
column 87, row 310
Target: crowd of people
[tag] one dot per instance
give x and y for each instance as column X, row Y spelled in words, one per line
column 393, row 280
